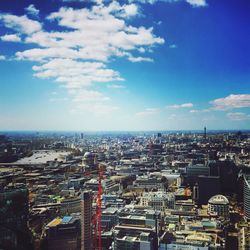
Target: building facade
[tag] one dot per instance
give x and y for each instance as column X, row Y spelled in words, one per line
column 86, row 214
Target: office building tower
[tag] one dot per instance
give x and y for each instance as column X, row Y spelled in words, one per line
column 14, row 211
column 193, row 172
column 228, row 173
column 208, row 186
column 246, row 196
column 63, row 234
column 86, row 215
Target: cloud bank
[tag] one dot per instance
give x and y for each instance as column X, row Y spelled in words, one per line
column 77, row 53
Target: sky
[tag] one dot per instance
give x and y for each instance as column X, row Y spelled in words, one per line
column 124, row 65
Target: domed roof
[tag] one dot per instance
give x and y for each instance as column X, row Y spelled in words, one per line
column 88, row 154
column 218, row 199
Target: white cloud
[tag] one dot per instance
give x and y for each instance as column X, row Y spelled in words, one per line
column 77, row 55
column 11, row 38
column 194, row 111
column 32, row 10
column 89, row 96
column 76, row 74
column 231, row 102
column 2, row 57
column 98, row 34
column 140, row 59
column 194, row 3
column 197, row 3
column 116, row 86
column 238, row 116
column 148, row 112
column 172, row 46
column 59, row 99
column 130, row 10
column 200, row 110
column 142, row 50
column 20, row 24
column 98, row 109
column 184, row 105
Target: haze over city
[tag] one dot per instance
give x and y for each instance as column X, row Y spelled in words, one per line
column 124, row 65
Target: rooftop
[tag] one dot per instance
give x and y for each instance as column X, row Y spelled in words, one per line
column 218, row 199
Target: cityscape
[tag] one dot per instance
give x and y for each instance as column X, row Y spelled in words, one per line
column 124, row 125
column 164, row 190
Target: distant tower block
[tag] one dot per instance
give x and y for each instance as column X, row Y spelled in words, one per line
column 205, row 132
column 86, row 214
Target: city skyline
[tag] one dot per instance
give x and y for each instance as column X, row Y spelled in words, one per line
column 127, row 65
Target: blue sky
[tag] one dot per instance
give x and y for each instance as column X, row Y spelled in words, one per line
column 127, row 65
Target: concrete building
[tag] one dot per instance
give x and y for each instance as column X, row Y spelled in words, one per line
column 71, row 205
column 205, row 193
column 86, row 214
column 148, row 182
column 109, row 186
column 158, row 200
column 109, row 218
column 14, row 211
column 138, row 240
column 198, row 169
column 246, row 196
column 88, row 159
column 218, row 205
column 63, row 234
column 137, row 230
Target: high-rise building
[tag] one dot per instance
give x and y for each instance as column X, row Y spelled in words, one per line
column 82, row 136
column 14, row 211
column 86, row 214
column 246, row 196
column 228, row 173
column 63, row 234
column 205, row 193
column 193, row 172
column 196, row 170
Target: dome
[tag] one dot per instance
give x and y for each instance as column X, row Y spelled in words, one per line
column 218, row 200
column 88, row 155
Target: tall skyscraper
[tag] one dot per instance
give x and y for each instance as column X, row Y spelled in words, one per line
column 86, row 214
column 246, row 196
column 205, row 193
column 14, row 211
column 82, row 135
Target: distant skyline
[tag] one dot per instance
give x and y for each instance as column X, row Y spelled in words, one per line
column 90, row 65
